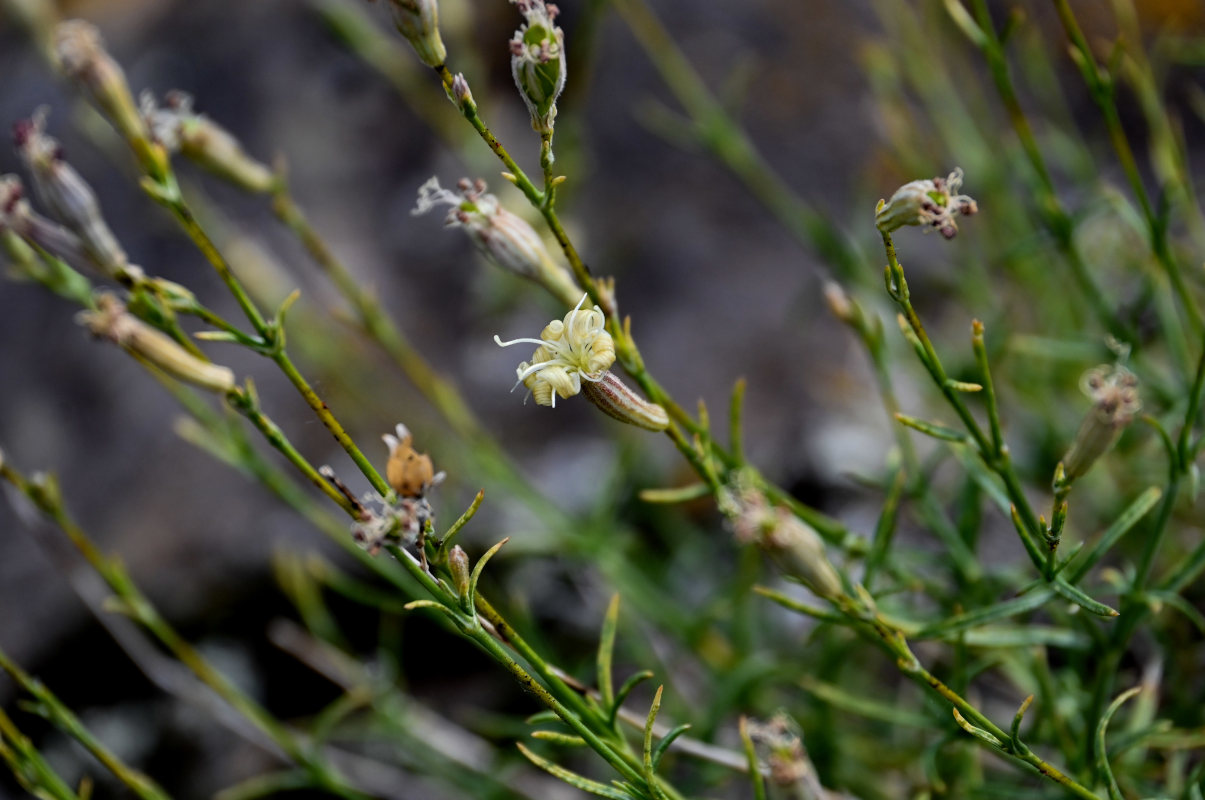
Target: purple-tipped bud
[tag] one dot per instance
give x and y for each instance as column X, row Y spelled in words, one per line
column 461, row 94
column 67, row 195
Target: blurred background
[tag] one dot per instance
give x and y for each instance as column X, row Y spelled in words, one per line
column 716, row 285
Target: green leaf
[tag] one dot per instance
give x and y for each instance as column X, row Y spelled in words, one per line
column 759, row 782
column 572, row 778
column 862, row 705
column 980, row 616
column 1102, row 755
column 626, row 689
column 1128, row 518
column 666, row 741
column 1081, row 599
column 933, row 429
column 606, row 648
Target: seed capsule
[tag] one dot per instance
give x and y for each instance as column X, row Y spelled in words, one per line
column 409, row 472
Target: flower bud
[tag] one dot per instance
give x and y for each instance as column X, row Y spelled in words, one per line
column 458, row 564
column 616, row 400
column 1115, row 403
column 81, row 55
column 789, row 541
column 179, row 129
column 111, row 321
column 790, row 767
column 502, row 237
column 538, row 62
column 418, row 21
column 67, row 195
column 461, row 95
column 933, row 203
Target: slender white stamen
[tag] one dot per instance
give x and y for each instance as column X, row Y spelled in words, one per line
column 500, row 343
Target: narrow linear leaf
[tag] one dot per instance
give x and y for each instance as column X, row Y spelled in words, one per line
column 1081, row 599
column 977, row 732
column 936, row 430
column 572, row 778
column 606, row 648
column 1122, row 525
column 794, row 605
column 980, row 616
column 1102, row 755
column 666, row 741
column 862, row 705
column 556, row 737
column 755, row 776
column 626, row 689
column 677, row 495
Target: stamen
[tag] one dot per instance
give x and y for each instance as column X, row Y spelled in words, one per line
column 500, row 343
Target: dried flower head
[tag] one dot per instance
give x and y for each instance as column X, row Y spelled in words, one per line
column 81, row 55
column 180, row 129
column 66, row 194
column 933, row 203
column 792, row 543
column 380, row 521
column 1115, row 403
column 537, row 61
column 111, row 321
column 418, row 22
column 567, row 352
column 502, row 237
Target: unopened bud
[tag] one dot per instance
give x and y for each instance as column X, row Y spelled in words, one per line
column 504, row 238
column 615, row 399
column 461, row 93
column 111, row 321
column 82, row 57
column 1115, row 403
column 933, row 203
column 537, row 61
column 458, row 564
column 67, row 195
column 839, row 303
column 788, row 540
column 418, row 21
column 195, row 136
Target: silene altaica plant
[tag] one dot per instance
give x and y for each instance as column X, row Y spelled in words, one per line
column 938, row 636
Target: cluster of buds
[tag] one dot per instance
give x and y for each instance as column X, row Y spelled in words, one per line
column 418, row 22
column 179, row 129
column 111, row 321
column 411, row 474
column 505, row 239
column 574, row 355
column 537, row 61
column 68, row 197
column 785, row 756
column 933, row 203
column 1115, row 403
column 792, row 543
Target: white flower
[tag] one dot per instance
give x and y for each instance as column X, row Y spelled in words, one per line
column 567, row 352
